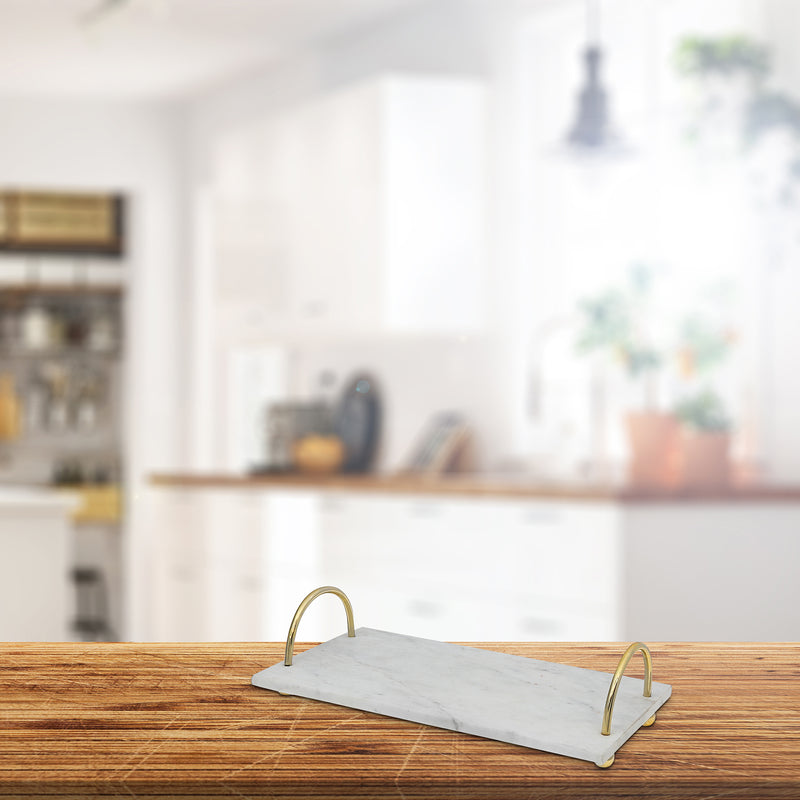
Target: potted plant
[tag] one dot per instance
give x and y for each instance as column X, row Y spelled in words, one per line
column 619, row 322
column 726, row 72
column 688, row 444
column 704, row 343
column 704, row 441
column 731, row 77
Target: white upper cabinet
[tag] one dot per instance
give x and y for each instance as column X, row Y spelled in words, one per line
column 360, row 212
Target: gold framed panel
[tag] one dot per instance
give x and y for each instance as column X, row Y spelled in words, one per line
column 69, row 223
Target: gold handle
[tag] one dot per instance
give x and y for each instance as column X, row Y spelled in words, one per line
column 612, row 690
column 301, row 609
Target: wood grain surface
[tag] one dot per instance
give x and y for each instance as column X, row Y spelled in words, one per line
column 182, row 720
column 479, row 485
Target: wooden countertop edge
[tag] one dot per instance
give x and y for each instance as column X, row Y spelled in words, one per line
column 476, row 486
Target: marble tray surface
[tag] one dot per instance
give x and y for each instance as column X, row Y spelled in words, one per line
column 537, row 704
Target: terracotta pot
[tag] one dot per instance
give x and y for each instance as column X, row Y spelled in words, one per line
column 654, row 440
column 705, row 459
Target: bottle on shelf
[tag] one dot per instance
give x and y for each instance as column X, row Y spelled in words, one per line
column 58, row 407
column 37, row 396
column 9, row 328
column 9, row 408
column 87, row 402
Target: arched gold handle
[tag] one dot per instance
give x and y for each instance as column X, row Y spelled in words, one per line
column 612, row 690
column 301, row 609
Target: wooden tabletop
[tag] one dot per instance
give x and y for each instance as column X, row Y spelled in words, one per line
column 182, row 720
column 481, row 485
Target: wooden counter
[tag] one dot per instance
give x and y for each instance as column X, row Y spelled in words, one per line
column 476, row 485
column 120, row 720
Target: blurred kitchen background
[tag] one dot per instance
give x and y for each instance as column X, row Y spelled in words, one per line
column 483, row 310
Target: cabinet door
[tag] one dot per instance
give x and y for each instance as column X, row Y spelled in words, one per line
column 34, row 570
column 179, row 601
column 233, row 573
column 181, row 615
column 362, row 541
column 291, row 563
column 325, row 167
column 360, row 211
column 235, row 603
column 433, row 189
column 472, row 569
column 249, row 230
column 566, row 562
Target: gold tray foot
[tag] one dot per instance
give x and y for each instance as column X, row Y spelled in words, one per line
column 607, row 764
column 649, row 722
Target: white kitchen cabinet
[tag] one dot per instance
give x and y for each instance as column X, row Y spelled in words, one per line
column 233, row 562
column 236, row 563
column 474, row 568
column 360, row 211
column 232, row 565
column 712, row 571
column 179, row 610
column 34, row 565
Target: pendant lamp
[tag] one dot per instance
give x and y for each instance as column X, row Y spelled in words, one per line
column 592, row 133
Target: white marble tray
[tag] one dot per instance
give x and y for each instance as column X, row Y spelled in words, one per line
column 513, row 699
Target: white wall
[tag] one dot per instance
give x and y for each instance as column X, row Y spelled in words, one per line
column 447, row 36
column 555, row 231
column 454, row 37
column 781, row 330
column 491, row 40
column 134, row 149
column 416, row 378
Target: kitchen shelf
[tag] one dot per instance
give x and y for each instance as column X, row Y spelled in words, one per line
column 74, row 442
column 24, row 291
column 70, row 353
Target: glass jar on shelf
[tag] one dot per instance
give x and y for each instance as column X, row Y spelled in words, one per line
column 101, row 334
column 88, row 397
column 35, row 400
column 35, row 327
column 57, row 378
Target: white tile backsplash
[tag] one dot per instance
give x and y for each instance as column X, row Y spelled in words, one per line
column 417, row 377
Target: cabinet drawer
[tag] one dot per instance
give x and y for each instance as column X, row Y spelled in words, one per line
column 180, row 527
column 573, row 558
column 236, row 529
column 449, row 617
column 181, row 603
column 566, row 552
column 237, row 605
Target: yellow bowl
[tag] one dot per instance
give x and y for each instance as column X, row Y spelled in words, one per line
column 318, row 454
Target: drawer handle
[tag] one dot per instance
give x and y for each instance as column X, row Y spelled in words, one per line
column 301, row 609
column 541, row 625
column 425, row 510
column 541, row 518
column 425, row 609
column 615, row 681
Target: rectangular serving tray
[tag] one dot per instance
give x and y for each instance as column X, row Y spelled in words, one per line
column 523, row 701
